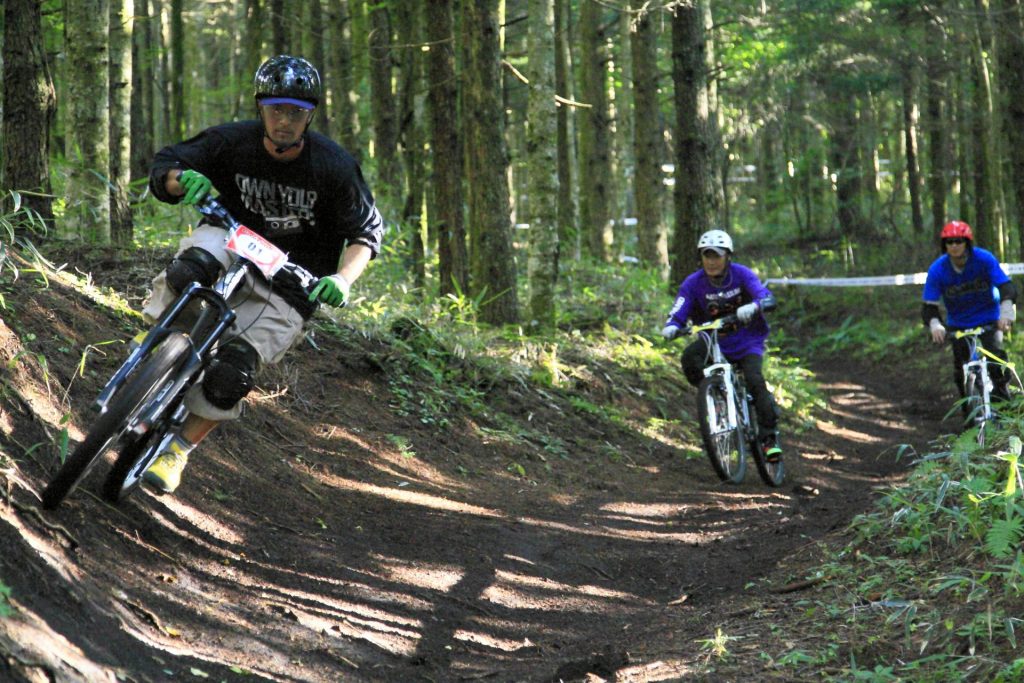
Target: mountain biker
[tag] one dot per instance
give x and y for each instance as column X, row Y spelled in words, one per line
column 975, row 291
column 294, row 186
column 719, row 288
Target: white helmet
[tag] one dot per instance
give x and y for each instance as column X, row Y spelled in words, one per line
column 718, row 240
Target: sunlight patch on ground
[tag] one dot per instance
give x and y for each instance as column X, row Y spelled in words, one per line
column 420, row 574
column 202, row 521
column 320, row 613
column 493, row 642
column 409, row 497
column 392, row 459
column 645, row 509
column 44, row 547
column 521, row 591
column 844, row 433
column 656, row 672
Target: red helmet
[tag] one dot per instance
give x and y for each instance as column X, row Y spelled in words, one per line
column 957, row 229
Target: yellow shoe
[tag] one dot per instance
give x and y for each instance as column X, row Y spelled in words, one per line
column 136, row 341
column 165, row 472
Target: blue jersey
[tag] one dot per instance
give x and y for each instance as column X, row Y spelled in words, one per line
column 970, row 297
column 701, row 301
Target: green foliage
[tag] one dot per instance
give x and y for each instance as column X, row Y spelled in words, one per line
column 5, row 605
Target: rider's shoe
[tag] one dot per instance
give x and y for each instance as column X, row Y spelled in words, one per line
column 165, row 472
column 136, row 341
column 771, row 448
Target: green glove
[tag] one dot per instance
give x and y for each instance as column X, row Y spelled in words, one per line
column 332, row 291
column 196, row 186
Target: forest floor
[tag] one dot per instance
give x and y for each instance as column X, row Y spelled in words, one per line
column 326, row 537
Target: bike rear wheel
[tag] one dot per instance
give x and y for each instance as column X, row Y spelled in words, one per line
column 724, row 441
column 110, row 427
column 771, row 473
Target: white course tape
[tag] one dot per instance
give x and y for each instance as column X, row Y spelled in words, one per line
column 910, row 279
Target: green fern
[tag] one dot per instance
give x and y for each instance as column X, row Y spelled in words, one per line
column 1003, row 536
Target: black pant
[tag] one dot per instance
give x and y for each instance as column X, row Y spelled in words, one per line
column 695, row 358
column 992, row 340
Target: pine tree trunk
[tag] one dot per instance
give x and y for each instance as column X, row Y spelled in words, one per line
column 88, row 123
column 176, row 76
column 542, row 164
column 492, row 259
column 120, row 99
column 1011, row 83
column 383, row 103
column 445, row 211
column 910, row 118
column 343, row 82
column 934, row 125
column 410, row 84
column 29, row 106
column 568, row 210
column 142, row 104
column 595, row 153
column 652, row 237
column 694, row 192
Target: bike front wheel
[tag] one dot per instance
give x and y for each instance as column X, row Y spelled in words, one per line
column 974, row 402
column 724, row 441
column 111, row 426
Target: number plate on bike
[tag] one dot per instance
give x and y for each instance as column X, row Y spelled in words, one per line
column 253, row 246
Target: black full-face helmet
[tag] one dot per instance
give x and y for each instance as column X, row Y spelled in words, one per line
column 285, row 78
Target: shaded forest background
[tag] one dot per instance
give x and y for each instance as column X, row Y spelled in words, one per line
column 503, row 138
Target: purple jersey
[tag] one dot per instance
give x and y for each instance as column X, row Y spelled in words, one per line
column 701, row 301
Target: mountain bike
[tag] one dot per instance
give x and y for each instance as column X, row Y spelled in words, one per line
column 142, row 406
column 725, row 408
column 977, row 381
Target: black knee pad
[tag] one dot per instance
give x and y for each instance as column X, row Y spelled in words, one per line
column 231, row 374
column 195, row 264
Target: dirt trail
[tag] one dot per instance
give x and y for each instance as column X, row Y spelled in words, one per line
column 326, row 538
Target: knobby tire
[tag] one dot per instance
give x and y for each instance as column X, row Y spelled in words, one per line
column 974, row 395
column 111, row 425
column 771, row 473
column 124, row 475
column 725, row 445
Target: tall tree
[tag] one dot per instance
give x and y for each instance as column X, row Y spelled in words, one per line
column 88, row 123
column 279, row 27
column 988, row 217
column 492, row 259
column 652, row 236
column 176, row 76
column 594, row 130
column 1011, row 78
column 29, row 103
column 143, row 104
column 568, row 228
column 383, row 101
column 410, row 97
column 542, row 164
column 694, row 192
column 342, row 83
column 911, row 114
column 933, row 122
column 445, row 212
column 120, row 98
column 251, row 57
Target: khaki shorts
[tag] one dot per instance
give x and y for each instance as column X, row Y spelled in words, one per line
column 265, row 320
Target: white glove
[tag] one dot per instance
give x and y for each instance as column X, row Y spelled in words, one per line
column 746, row 312
column 669, row 332
column 1007, row 315
column 938, row 331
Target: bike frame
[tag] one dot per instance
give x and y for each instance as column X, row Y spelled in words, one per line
column 977, row 365
column 720, row 365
